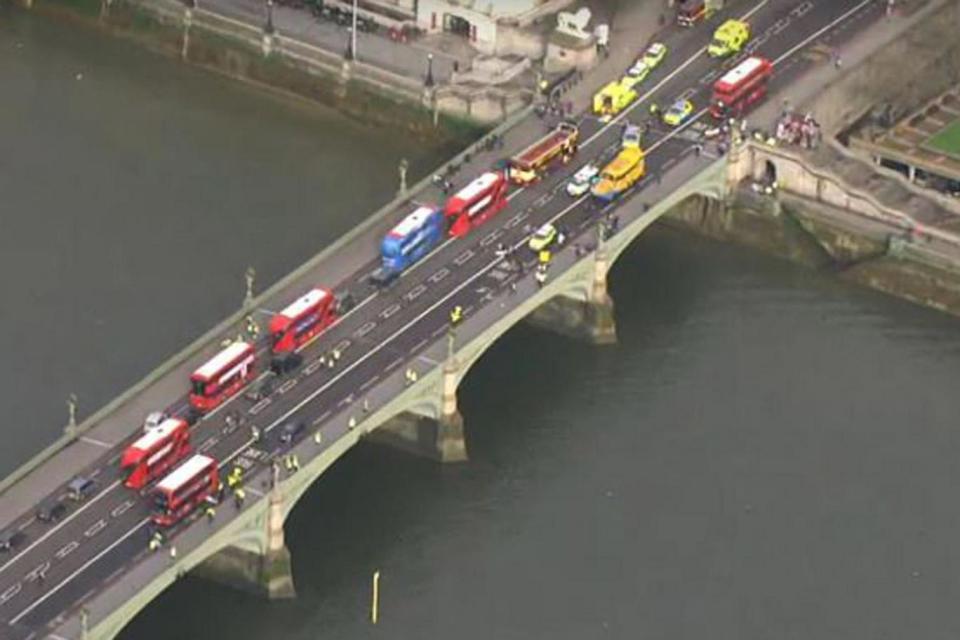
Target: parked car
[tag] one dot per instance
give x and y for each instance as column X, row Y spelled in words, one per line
column 583, row 179
column 153, row 420
column 263, row 388
column 654, row 55
column 543, row 237
column 291, row 430
column 81, row 488
column 51, row 511
column 10, row 540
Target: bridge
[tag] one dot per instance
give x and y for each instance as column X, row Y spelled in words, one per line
column 88, row 574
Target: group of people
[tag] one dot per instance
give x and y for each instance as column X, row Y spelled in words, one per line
column 794, row 128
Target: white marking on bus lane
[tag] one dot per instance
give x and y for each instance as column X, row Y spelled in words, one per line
column 37, row 602
column 461, row 259
column 110, row 487
column 416, row 291
column 123, row 508
column 95, row 528
column 286, row 386
column 260, row 406
column 26, row 523
column 94, row 441
column 490, row 237
column 313, row 366
column 439, row 275
column 207, row 444
column 9, row 593
column 389, row 311
column 66, row 549
column 37, row 571
column 365, row 329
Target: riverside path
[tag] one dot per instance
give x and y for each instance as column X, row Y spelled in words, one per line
column 87, row 574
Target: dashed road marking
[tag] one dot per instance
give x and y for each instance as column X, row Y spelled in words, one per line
column 461, row 259
column 439, row 275
column 286, row 386
column 260, row 406
column 66, row 549
column 99, row 443
column 416, row 291
column 389, row 311
column 95, row 528
column 365, row 329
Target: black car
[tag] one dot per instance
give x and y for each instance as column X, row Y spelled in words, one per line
column 291, row 430
column 382, row 278
column 10, row 540
column 345, row 302
column 262, row 389
column 51, row 511
column 285, row 363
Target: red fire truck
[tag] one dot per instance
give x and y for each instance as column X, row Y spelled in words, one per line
column 741, row 87
column 526, row 166
column 222, row 376
column 155, row 451
column 180, row 492
column 476, row 202
column 302, row 320
column 690, row 12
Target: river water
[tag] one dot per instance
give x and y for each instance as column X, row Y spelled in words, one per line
column 767, row 453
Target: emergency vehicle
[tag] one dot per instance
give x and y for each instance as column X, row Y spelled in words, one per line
column 153, row 453
column 621, row 174
column 690, row 12
column 476, row 202
column 729, row 39
column 190, row 484
column 740, row 88
column 302, row 320
column 527, row 166
column 615, row 96
column 222, row 376
column 413, row 238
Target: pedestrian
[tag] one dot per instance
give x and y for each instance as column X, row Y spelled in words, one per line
column 615, row 223
column 239, row 496
column 837, row 61
column 295, row 461
column 173, row 552
column 318, row 437
column 513, row 287
column 697, row 149
column 254, row 432
column 366, row 405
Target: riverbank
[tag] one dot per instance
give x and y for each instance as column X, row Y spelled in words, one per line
column 373, row 97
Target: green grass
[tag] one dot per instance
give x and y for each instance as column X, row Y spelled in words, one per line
column 947, row 140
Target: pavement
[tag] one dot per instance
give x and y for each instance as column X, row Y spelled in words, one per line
column 376, row 49
column 97, row 555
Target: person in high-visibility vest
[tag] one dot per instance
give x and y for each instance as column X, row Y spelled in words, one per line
column 239, row 496
column 456, row 315
column 544, row 256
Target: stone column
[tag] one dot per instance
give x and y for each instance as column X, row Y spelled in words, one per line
column 450, row 443
column 276, row 576
column 599, row 318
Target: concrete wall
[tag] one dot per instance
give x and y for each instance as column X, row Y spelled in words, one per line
column 909, row 70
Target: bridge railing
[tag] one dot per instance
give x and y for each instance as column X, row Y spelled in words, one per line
column 230, row 323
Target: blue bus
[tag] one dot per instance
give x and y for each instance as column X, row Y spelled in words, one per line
column 413, row 238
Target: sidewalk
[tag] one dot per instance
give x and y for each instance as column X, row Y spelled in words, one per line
column 403, row 59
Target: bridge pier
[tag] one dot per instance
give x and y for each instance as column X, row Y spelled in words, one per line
column 590, row 318
column 266, row 574
column 441, row 438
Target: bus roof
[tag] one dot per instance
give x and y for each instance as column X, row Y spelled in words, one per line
column 413, row 221
column 152, row 437
column 625, row 160
column 743, row 70
column 304, row 302
column 478, row 186
column 185, row 472
column 222, row 359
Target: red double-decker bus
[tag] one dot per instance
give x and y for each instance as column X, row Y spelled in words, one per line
column 741, row 87
column 155, row 452
column 302, row 320
column 479, row 200
column 180, row 492
column 222, row 376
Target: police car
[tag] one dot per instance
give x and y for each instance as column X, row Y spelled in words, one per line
column 583, row 179
column 678, row 112
column 543, row 237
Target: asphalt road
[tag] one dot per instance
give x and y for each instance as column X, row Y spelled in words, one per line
column 59, row 566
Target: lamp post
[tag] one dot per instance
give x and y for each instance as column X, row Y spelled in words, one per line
column 429, row 79
column 351, row 53
column 269, row 27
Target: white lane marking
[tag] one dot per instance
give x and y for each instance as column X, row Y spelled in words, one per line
column 313, row 366
column 515, row 220
column 490, row 237
column 95, row 528
column 365, row 329
column 429, row 361
column 369, row 383
column 389, row 311
column 343, row 345
column 286, row 386
column 439, row 275
column 123, row 508
column 416, row 291
column 461, row 259
column 113, row 485
column 820, row 32
column 9, row 593
column 66, row 549
column 418, row 346
column 99, row 443
column 41, row 568
column 27, row 523
column 323, row 416
column 37, row 602
column 207, row 444
column 260, row 406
